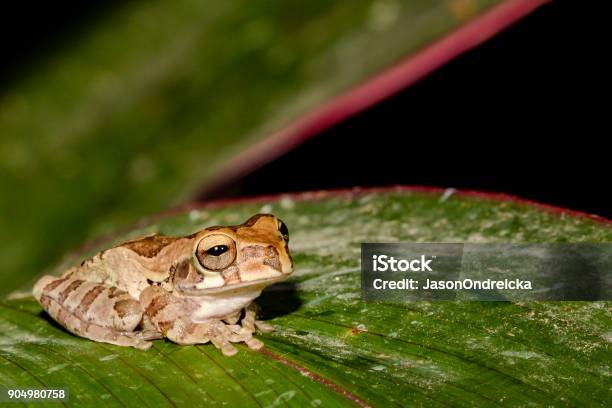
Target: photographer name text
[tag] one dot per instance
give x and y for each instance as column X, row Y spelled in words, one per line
column 385, row 263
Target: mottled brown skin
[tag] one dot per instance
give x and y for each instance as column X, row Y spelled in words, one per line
column 191, row 289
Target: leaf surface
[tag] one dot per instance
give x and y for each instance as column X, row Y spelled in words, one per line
column 330, row 348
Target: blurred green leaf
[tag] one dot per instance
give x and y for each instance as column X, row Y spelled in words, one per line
column 418, row 354
column 139, row 110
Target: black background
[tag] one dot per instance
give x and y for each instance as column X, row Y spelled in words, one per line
column 526, row 113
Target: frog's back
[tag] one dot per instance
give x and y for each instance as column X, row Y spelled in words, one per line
column 130, row 266
column 97, row 271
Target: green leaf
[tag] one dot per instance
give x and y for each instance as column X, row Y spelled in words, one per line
column 331, row 348
column 142, row 107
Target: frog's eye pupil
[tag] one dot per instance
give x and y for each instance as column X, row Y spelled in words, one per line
column 217, row 250
column 282, row 228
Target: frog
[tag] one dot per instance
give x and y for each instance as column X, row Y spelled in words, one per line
column 191, row 289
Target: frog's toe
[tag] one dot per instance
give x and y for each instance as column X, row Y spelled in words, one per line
column 143, row 345
column 237, row 334
column 263, row 326
column 221, row 336
column 242, row 331
column 241, row 334
column 234, row 328
column 254, row 344
column 225, row 346
column 130, row 339
column 228, row 350
column 151, row 335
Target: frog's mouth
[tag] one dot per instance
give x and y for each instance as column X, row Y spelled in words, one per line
column 258, row 284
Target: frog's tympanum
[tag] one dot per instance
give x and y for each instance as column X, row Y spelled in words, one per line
column 191, row 289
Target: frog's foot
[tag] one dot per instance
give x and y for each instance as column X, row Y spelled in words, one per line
column 221, row 336
column 215, row 331
column 150, row 335
column 130, row 339
column 112, row 336
column 148, row 331
column 244, row 335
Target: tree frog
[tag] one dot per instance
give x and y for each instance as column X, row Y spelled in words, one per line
column 191, row 290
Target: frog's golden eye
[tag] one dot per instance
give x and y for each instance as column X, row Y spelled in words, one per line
column 216, row 252
column 282, row 228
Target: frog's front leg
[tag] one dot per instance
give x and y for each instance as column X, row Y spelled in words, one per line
column 233, row 318
column 170, row 315
column 92, row 310
column 250, row 322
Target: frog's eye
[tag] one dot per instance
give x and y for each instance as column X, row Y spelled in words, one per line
column 282, row 228
column 216, row 252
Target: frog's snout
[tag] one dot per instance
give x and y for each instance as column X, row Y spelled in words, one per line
column 287, row 269
column 287, row 264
